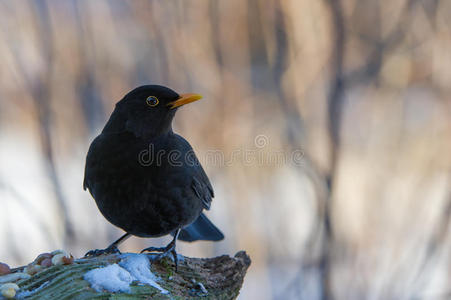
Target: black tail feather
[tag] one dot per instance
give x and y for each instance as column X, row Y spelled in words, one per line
column 202, row 229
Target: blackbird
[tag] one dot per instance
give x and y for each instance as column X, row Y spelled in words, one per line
column 145, row 178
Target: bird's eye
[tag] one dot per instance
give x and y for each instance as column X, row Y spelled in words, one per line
column 152, row 101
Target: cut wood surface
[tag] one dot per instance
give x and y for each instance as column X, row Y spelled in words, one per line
column 196, row 278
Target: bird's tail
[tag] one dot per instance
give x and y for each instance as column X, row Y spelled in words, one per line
column 202, row 229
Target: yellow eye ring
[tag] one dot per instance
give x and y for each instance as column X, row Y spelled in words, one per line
column 152, row 101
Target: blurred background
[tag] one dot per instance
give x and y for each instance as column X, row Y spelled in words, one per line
column 325, row 129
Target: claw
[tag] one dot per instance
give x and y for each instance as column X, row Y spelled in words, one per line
column 97, row 252
column 170, row 248
column 112, row 249
column 174, row 254
column 154, row 249
column 164, row 252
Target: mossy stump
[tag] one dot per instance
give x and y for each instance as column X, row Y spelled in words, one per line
column 197, row 278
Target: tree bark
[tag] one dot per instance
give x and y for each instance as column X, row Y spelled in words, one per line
column 206, row 278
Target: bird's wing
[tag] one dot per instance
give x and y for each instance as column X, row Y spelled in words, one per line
column 200, row 183
column 204, row 191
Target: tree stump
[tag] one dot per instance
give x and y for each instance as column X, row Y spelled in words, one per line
column 196, row 278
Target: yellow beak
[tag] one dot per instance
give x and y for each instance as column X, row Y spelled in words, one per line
column 184, row 99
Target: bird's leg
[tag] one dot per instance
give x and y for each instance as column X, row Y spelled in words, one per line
column 170, row 248
column 110, row 249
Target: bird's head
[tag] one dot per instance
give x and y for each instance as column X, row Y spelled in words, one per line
column 147, row 111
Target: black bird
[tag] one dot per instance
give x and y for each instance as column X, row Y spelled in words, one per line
column 145, row 178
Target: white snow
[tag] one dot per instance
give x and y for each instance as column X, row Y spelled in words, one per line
column 111, row 278
column 118, row 277
column 139, row 267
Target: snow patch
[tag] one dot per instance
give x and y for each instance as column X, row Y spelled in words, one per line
column 118, row 277
column 111, row 278
column 139, row 267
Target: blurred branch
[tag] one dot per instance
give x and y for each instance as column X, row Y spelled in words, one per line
column 373, row 64
column 86, row 86
column 294, row 133
column 39, row 85
column 434, row 248
column 430, row 8
column 161, row 47
column 31, row 213
column 340, row 82
column 335, row 112
column 40, row 90
column 214, row 14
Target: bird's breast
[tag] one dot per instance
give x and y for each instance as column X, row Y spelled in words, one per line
column 142, row 187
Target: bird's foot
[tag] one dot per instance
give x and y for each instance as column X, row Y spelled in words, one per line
column 169, row 249
column 97, row 252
